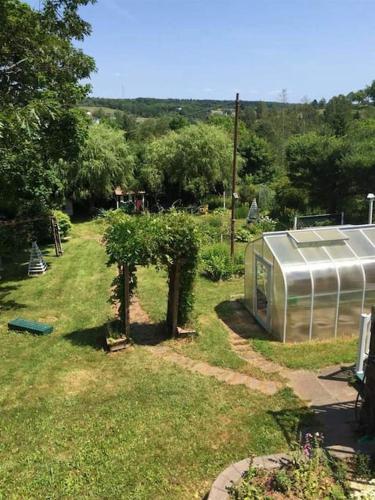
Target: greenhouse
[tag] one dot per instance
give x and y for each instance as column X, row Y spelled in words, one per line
column 311, row 283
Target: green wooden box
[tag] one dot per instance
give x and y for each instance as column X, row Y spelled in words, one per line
column 30, row 326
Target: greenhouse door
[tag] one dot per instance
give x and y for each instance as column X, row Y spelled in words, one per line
column 262, row 292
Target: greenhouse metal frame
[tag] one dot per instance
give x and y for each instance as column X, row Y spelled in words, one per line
column 311, row 283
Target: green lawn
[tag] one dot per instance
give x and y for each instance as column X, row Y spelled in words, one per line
column 78, row 423
column 311, row 356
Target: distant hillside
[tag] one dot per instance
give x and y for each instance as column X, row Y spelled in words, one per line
column 191, row 108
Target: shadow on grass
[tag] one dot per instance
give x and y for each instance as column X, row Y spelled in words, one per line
column 93, row 337
column 294, row 422
column 240, row 321
column 8, row 304
column 140, row 334
column 148, row 334
column 16, row 266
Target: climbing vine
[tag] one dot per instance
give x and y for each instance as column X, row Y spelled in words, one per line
column 170, row 241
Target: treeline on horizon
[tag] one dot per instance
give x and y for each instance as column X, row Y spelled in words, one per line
column 148, row 107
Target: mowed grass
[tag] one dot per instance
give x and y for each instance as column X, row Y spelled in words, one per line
column 78, row 423
column 308, row 355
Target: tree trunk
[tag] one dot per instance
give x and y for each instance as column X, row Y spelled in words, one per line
column 126, row 301
column 173, row 297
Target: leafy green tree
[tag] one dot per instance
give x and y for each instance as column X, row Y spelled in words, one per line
column 314, row 168
column 106, row 162
column 194, row 161
column 258, row 158
column 370, row 91
column 40, row 74
column 338, row 114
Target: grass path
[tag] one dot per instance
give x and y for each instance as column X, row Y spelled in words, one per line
column 76, row 422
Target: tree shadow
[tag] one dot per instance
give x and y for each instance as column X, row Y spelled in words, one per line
column 148, row 334
column 16, row 266
column 8, row 305
column 140, row 334
column 234, row 314
column 93, row 337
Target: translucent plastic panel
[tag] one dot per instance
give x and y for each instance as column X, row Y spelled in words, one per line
column 331, row 234
column 278, row 303
column 369, row 268
column 284, row 249
column 263, row 291
column 340, row 251
column 359, row 243
column 249, row 277
column 351, row 293
column 258, row 246
column 325, row 302
column 298, row 305
column 314, row 254
column 303, row 236
column 370, row 233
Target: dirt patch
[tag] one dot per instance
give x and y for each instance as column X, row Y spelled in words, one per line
column 78, row 381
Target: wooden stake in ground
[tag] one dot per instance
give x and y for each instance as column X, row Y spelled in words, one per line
column 234, row 176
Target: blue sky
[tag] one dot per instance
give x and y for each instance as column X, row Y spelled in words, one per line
column 210, row 49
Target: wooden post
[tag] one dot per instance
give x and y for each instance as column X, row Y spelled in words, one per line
column 234, row 177
column 173, row 297
column 126, row 300
column 367, row 415
column 176, row 297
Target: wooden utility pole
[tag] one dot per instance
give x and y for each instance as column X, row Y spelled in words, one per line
column 234, row 176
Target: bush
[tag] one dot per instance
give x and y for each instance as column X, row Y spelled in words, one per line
column 63, row 221
column 242, row 211
column 215, row 226
column 218, row 265
column 263, row 225
column 243, row 234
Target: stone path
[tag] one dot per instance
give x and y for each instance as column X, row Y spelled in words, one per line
column 230, row 377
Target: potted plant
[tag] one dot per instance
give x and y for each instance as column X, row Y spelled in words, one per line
column 115, row 340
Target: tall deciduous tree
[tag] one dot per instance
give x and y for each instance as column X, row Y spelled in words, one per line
column 258, row 158
column 338, row 114
column 193, row 161
column 314, row 168
column 40, row 73
column 105, row 163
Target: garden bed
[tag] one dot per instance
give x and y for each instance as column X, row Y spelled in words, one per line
column 309, row 472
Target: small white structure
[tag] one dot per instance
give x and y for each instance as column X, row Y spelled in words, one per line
column 37, row 264
column 253, row 212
